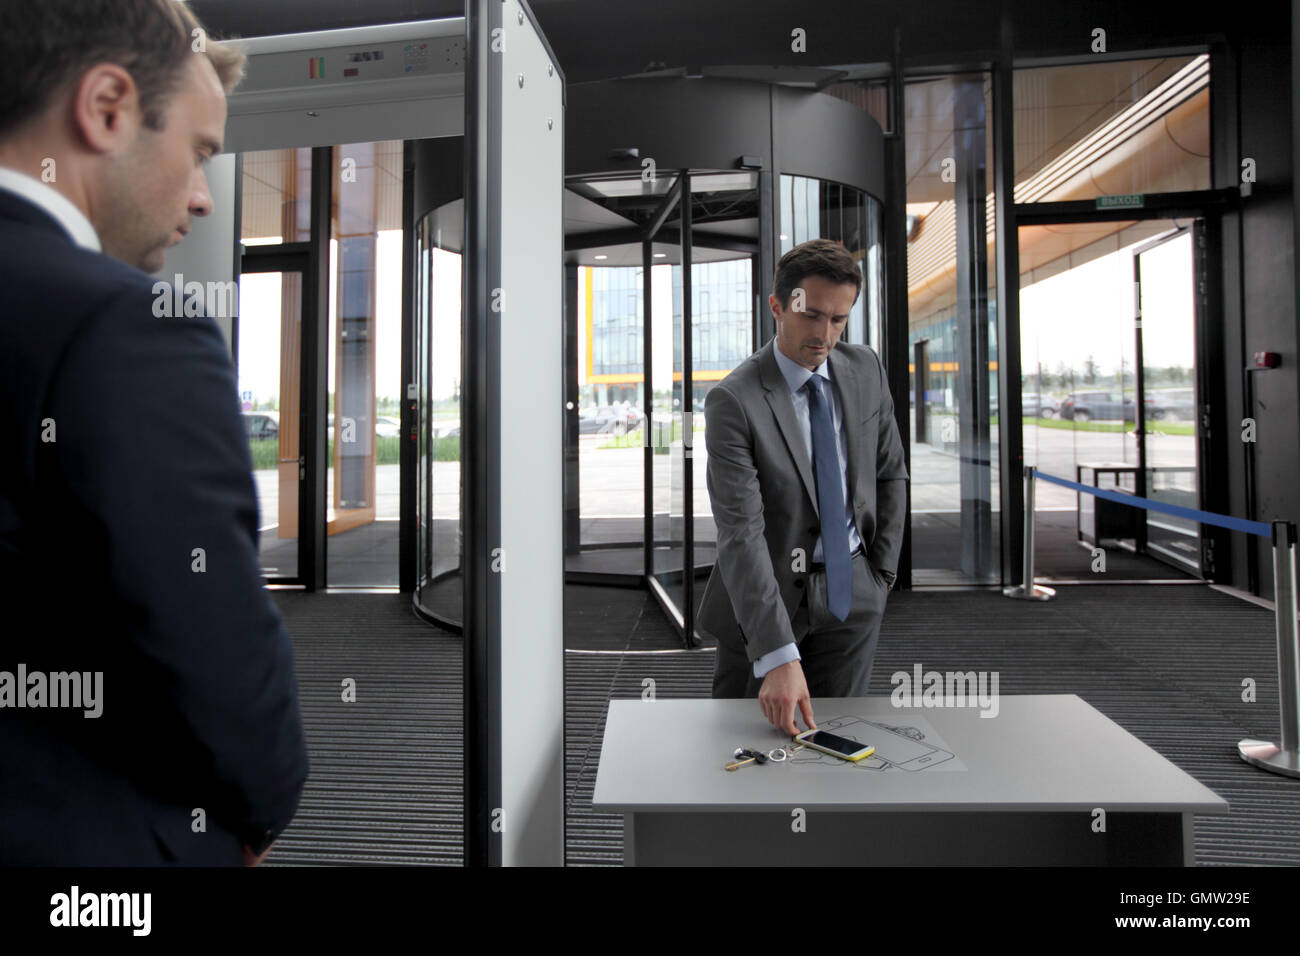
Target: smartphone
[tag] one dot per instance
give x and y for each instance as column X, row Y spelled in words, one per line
column 835, row 745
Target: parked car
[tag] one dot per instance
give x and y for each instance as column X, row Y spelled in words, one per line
column 1038, row 405
column 633, row 415
column 1032, row 405
column 259, row 426
column 597, row 419
column 1100, row 406
column 1171, row 404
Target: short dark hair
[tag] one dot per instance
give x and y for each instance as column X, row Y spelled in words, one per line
column 816, row 257
column 45, row 44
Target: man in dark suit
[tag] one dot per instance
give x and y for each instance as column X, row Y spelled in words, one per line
column 128, row 520
column 809, row 492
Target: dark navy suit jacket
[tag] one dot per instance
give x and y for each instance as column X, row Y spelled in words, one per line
column 98, row 535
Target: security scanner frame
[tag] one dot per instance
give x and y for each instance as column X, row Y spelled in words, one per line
column 485, row 87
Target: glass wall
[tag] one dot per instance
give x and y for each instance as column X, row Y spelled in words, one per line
column 365, row 365
column 952, row 331
column 821, row 209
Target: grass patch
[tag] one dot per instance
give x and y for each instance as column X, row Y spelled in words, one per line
column 1164, row 428
column 388, row 451
column 1167, row 428
column 634, row 439
column 445, row 449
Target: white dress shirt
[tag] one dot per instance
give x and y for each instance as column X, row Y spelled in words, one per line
column 63, row 209
column 796, row 376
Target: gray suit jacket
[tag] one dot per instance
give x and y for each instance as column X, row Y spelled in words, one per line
column 764, row 499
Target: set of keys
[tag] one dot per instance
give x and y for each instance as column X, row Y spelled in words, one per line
column 745, row 755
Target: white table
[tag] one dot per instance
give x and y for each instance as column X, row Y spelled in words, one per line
column 1024, row 787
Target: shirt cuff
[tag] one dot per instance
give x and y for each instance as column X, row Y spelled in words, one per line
column 774, row 659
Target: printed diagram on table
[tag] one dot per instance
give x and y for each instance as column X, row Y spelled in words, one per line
column 913, row 747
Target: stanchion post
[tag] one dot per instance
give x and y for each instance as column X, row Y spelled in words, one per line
column 1028, row 590
column 1264, row 754
column 1028, row 561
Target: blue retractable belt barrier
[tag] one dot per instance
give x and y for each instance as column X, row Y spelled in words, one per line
column 1283, row 758
column 1204, row 517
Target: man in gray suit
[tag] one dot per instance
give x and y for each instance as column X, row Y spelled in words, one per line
column 809, row 492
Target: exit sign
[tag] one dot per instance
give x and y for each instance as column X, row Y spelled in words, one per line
column 1130, row 201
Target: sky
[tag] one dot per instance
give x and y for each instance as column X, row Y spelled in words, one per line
column 1089, row 310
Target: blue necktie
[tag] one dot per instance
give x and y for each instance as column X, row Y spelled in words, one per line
column 830, row 503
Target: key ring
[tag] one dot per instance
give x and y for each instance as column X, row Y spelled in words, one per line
column 783, row 753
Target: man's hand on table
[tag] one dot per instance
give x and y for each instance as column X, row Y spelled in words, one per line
column 784, row 689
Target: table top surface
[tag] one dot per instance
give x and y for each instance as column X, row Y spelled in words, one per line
column 1034, row 753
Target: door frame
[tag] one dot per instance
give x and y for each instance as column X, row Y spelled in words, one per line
column 295, row 258
column 1206, row 328
column 312, row 258
column 1204, row 209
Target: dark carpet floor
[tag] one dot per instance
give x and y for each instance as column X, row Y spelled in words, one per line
column 1165, row 662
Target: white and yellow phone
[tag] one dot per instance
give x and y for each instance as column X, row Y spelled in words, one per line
column 835, row 745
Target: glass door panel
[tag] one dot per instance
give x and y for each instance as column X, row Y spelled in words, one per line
column 722, row 321
column 669, row 417
column 611, row 419
column 1080, row 392
column 269, row 383
column 1168, row 341
column 438, row 367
